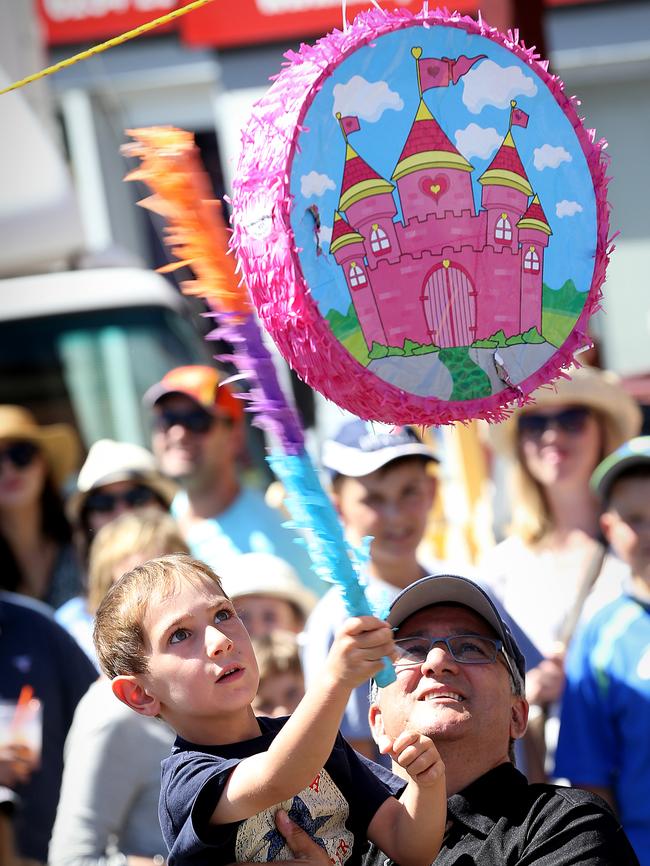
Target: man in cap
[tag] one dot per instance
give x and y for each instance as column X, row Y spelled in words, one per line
column 198, row 438
column 460, row 680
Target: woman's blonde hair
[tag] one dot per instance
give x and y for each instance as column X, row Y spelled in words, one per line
column 531, row 519
column 143, row 534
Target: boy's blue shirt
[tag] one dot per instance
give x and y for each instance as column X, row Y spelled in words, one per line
column 605, row 726
column 335, row 809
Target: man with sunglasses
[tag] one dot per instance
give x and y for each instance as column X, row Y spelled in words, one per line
column 198, row 438
column 460, row 680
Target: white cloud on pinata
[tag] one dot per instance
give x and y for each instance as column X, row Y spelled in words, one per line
column 491, row 84
column 474, row 140
column 315, row 184
column 366, row 100
column 325, row 234
column 548, row 156
column 566, row 208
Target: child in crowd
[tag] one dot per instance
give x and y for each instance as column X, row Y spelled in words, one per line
column 267, row 594
column 282, row 684
column 170, row 640
column 604, row 744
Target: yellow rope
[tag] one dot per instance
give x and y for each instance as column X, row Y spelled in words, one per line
column 116, row 40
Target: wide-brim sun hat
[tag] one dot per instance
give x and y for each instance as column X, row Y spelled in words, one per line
column 108, row 462
column 58, row 443
column 453, row 589
column 600, row 390
column 266, row 574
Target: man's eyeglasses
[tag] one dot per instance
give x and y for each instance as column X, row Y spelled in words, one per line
column 196, row 420
column 572, row 421
column 467, row 649
column 106, row 502
column 19, row 454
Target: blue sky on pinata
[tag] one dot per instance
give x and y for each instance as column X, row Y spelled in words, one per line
column 378, row 84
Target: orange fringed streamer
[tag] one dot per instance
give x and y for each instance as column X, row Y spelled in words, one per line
column 195, row 231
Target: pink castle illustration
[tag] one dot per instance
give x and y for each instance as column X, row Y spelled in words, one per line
column 445, row 274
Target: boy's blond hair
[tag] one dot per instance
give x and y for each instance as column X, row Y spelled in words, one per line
column 149, row 532
column 118, row 633
column 277, row 653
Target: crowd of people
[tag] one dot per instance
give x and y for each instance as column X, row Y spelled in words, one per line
column 514, row 731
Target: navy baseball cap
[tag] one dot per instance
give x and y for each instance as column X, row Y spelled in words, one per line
column 451, row 589
column 360, row 448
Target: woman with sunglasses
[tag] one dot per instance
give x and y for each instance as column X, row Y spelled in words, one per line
column 37, row 558
column 553, row 568
column 116, row 478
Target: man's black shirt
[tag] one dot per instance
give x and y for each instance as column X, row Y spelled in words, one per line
column 501, row 820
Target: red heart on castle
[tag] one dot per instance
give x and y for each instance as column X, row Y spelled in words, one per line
column 435, row 187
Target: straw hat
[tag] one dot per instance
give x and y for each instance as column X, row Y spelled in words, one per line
column 109, row 461
column 57, row 442
column 266, row 574
column 600, row 390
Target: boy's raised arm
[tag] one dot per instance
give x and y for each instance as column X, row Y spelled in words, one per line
column 304, row 744
column 410, row 830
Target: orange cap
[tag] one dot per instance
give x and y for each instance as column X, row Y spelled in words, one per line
column 201, row 383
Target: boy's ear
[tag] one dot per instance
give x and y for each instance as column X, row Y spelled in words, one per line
column 606, row 521
column 336, row 500
column 132, row 693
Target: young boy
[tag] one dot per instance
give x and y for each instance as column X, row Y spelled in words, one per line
column 173, row 646
column 604, row 742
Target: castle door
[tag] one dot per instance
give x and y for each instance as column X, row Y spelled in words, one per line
column 449, row 301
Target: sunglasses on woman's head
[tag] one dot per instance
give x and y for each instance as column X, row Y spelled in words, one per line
column 107, row 502
column 572, row 420
column 19, row 454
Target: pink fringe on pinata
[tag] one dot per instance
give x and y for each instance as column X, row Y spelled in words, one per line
column 265, row 245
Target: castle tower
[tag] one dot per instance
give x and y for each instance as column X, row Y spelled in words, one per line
column 506, row 190
column 432, row 176
column 534, row 233
column 347, row 247
column 367, row 200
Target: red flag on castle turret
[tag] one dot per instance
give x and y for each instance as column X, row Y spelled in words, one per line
column 433, row 73
column 518, row 117
column 436, row 72
column 462, row 65
column 350, row 124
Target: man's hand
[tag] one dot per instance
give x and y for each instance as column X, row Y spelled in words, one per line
column 417, row 754
column 306, row 852
column 358, row 649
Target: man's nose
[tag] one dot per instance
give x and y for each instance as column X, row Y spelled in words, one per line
column 177, row 432
column 216, row 642
column 439, row 658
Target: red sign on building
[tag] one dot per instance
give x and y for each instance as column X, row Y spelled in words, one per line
column 254, row 21
column 70, row 21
